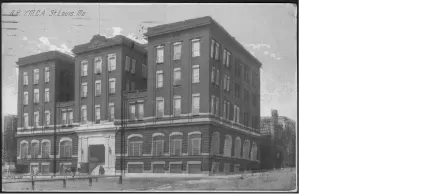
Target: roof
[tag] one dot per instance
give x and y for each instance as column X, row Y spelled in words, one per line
column 99, row 42
column 45, row 56
column 192, row 23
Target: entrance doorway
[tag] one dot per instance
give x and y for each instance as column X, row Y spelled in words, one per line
column 96, row 156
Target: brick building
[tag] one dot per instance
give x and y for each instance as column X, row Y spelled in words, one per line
column 187, row 102
column 279, row 143
column 199, row 115
column 45, row 80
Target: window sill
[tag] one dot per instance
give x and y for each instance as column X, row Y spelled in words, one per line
column 84, row 97
column 159, row 63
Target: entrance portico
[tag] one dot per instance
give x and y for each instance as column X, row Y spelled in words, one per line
column 89, row 146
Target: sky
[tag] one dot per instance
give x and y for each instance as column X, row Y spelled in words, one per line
column 268, row 31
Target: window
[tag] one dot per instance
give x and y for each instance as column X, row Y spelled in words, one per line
column 224, row 109
column 47, row 118
column 227, row 59
column 213, row 72
column 177, row 76
column 46, row 94
column 235, row 113
column 127, row 63
column 25, row 78
column 158, row 147
column 97, row 113
column 195, row 73
column 133, row 66
column 160, row 56
column 98, row 65
column 144, row 73
column 228, row 110
column 227, row 146
column 71, row 117
column 36, row 96
column 25, row 98
column 141, row 111
column 135, row 146
column 212, row 48
column 217, row 48
column 46, row 146
column 195, row 145
column 195, row 104
column 25, row 120
column 24, row 150
column 195, row 48
column 238, row 114
column 177, row 50
column 111, row 112
column 128, row 86
column 217, row 77
column 215, row 143
column 46, row 74
column 213, row 105
column 177, row 106
column 246, row 147
column 160, row 107
column 36, row 76
column 36, row 119
column 159, row 79
column 132, row 111
column 111, row 62
column 237, row 147
column 217, row 112
column 176, row 145
column 34, row 149
column 64, row 120
column 65, row 149
column 98, row 87
column 224, row 56
column 112, row 86
column 84, row 118
column 225, row 83
column 133, row 85
column 254, row 151
column 84, row 68
column 84, row 89
column 228, row 83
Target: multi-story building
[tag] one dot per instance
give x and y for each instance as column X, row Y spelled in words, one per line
column 199, row 116
column 45, row 80
column 104, row 69
column 9, row 142
column 187, row 102
column 279, row 145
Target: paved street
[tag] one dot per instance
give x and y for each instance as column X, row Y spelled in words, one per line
column 276, row 180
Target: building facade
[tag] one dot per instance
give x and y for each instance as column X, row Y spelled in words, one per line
column 45, row 80
column 279, row 143
column 187, row 102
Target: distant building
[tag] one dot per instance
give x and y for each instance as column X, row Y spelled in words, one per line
column 9, row 143
column 278, row 148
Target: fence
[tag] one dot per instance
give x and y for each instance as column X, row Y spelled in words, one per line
column 63, row 180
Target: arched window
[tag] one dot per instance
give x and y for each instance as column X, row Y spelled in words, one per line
column 228, row 146
column 215, row 144
column 65, row 149
column 158, row 142
column 24, row 150
column 175, row 139
column 135, row 145
column 237, row 147
column 246, row 147
column 254, row 151
column 46, row 147
column 34, row 148
column 194, row 143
